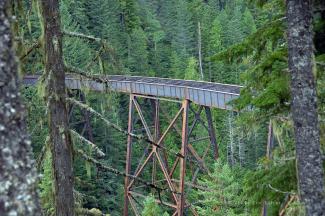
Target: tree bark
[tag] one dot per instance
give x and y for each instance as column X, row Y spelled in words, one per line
column 304, row 106
column 18, row 176
column 270, row 141
column 231, row 139
column 60, row 140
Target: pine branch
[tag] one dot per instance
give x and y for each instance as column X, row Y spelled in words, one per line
column 98, row 53
column 110, row 124
column 103, row 42
column 273, row 30
column 104, row 45
column 92, row 145
column 279, row 191
column 77, row 71
column 82, row 36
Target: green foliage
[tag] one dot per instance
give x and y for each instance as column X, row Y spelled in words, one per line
column 47, row 187
column 130, row 17
column 215, row 36
column 223, row 195
column 151, row 208
column 191, row 72
column 257, row 186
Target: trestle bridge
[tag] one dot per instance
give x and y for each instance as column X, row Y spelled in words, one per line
column 188, row 161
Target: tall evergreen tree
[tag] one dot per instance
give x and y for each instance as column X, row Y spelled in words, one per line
column 304, row 106
column 18, row 177
column 60, row 140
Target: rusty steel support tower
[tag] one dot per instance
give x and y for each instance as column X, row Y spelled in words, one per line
column 158, row 157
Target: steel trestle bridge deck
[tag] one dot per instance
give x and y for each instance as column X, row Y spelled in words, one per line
column 202, row 93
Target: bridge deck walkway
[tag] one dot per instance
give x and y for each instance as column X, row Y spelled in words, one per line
column 203, row 93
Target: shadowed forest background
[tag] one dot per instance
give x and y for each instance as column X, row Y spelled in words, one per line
column 225, row 41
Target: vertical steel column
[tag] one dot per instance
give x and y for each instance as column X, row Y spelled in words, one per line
column 156, row 136
column 181, row 202
column 155, row 103
column 212, row 133
column 128, row 157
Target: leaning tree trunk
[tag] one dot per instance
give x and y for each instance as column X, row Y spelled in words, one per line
column 304, row 106
column 60, row 140
column 18, row 177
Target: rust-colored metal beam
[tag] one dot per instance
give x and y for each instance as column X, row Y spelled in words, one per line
column 133, row 205
column 128, row 157
column 174, row 167
column 197, row 157
column 141, row 168
column 212, row 133
column 191, row 148
column 144, row 123
column 155, row 138
column 198, row 169
column 166, row 175
column 181, row 202
column 196, row 118
column 170, row 126
column 144, row 155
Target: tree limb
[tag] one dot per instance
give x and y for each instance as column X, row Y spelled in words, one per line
column 92, row 145
column 35, row 45
column 77, row 71
column 117, row 172
column 279, row 191
column 82, row 36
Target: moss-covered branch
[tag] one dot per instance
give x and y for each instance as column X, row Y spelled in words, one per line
column 29, row 50
column 118, row 128
column 117, row 172
column 77, row 71
column 84, row 140
column 82, row 36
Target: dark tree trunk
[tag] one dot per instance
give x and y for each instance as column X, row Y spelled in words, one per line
column 18, row 177
column 61, row 145
column 304, row 106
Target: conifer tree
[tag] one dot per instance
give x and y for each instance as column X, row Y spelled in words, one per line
column 304, row 106
column 18, row 177
column 60, row 140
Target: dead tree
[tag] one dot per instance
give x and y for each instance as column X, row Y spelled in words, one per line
column 18, row 177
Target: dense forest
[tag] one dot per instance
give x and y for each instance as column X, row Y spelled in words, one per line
column 63, row 152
